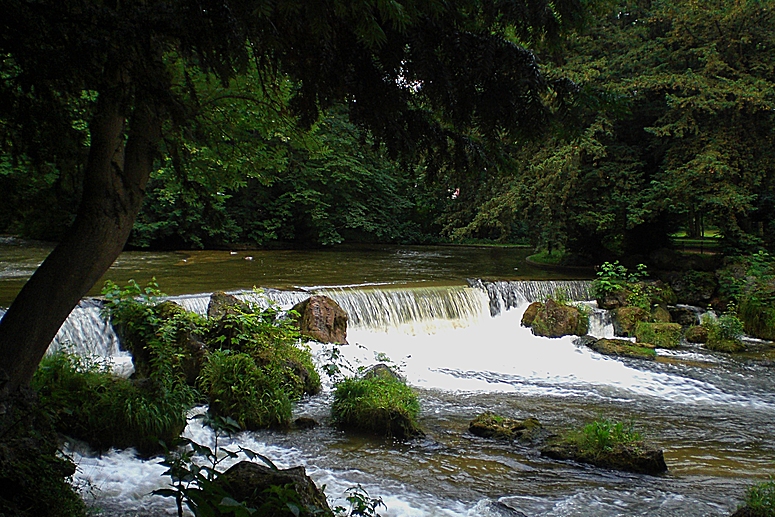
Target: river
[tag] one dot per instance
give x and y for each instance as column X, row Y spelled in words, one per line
column 464, row 351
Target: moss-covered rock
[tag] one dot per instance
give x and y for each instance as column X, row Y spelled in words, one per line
column 639, row 457
column 724, row 345
column 626, row 318
column 382, row 405
column 622, row 348
column 661, row 335
column 684, row 316
column 556, row 320
column 696, row 334
column 255, row 485
column 693, row 287
column 490, row 425
column 614, row 300
column 660, row 314
column 530, row 313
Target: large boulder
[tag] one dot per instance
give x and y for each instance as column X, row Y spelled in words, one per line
column 684, row 316
column 696, row 334
column 556, row 320
column 221, row 304
column 226, row 328
column 530, row 313
column 614, row 300
column 322, row 319
column 251, row 483
column 639, row 457
column 622, row 348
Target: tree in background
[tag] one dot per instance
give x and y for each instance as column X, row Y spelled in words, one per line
column 107, row 85
column 672, row 129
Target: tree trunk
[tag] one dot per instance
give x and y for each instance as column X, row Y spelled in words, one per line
column 114, row 183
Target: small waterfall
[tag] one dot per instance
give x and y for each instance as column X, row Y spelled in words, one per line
column 601, row 324
column 390, row 308
column 508, row 295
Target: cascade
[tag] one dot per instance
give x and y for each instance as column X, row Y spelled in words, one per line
column 509, row 295
column 261, row 297
column 379, row 308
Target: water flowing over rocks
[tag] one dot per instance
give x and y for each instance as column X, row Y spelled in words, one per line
column 509, row 295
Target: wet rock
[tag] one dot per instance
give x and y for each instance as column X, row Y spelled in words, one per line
column 625, row 319
column 614, row 300
column 639, row 457
column 557, row 320
column 660, row 314
column 490, row 425
column 382, row 371
column 530, row 313
column 696, row 334
column 623, row 348
column 322, row 319
column 747, row 511
column 251, row 482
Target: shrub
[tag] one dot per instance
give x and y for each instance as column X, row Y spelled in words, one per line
column 613, row 278
column 238, row 388
column 749, row 282
column 760, row 498
column 380, row 405
column 107, row 411
column 724, row 333
column 661, row 335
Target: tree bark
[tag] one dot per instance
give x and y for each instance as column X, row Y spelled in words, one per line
column 116, row 173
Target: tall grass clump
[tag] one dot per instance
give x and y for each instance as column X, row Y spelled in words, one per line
column 381, row 404
column 604, row 435
column 238, row 388
column 760, row 499
column 107, row 411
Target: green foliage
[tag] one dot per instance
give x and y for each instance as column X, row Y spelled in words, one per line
column 724, row 333
column 614, row 277
column 603, row 435
column 106, row 411
column 750, row 282
column 761, row 498
column 35, row 475
column 381, row 405
column 238, row 388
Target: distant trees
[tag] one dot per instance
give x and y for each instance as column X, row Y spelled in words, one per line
column 673, row 130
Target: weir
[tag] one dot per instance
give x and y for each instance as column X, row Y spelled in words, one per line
column 85, row 332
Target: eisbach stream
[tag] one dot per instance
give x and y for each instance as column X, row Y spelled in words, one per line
column 463, row 348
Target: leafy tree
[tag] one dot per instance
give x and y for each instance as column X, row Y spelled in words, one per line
column 113, row 80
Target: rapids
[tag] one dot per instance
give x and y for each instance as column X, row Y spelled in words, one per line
column 712, row 414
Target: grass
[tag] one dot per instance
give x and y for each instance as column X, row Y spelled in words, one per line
column 761, row 498
column 544, row 257
column 603, row 435
column 107, row 411
column 379, row 405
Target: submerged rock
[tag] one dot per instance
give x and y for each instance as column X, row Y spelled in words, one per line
column 621, row 348
column 490, row 425
column 251, row 482
column 322, row 319
column 638, row 457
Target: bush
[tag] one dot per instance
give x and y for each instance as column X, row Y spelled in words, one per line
column 35, row 477
column 613, row 278
column 380, row 405
column 724, row 333
column 749, row 282
column 238, row 388
column 107, row 411
column 661, row 335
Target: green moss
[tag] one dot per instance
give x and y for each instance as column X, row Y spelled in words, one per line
column 758, row 318
column 724, row 333
column 696, row 334
column 622, row 348
column 626, row 318
column 107, row 411
column 490, row 425
column 378, row 405
column 556, row 319
column 661, row 335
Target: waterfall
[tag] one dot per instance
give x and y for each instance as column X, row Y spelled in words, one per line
column 261, row 297
column 388, row 308
column 508, row 295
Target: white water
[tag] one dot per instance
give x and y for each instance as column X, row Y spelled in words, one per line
column 461, row 353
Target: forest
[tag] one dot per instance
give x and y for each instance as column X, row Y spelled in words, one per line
column 665, row 126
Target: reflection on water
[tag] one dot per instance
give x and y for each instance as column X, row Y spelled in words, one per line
column 207, row 271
